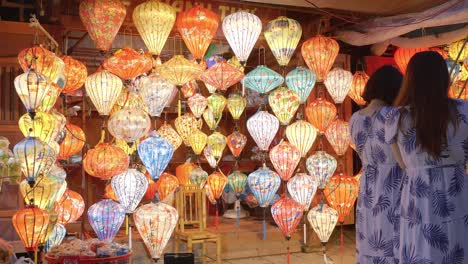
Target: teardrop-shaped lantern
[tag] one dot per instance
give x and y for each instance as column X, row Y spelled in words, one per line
column 102, row 19
column 42, row 61
column 208, row 153
column 217, row 142
column 338, row 83
column 217, row 181
column 154, row 21
column 301, row 134
column 155, row 92
column 222, row 76
column 70, row 207
column 155, row 222
column 217, row 103
column 242, row 30
column 284, row 103
column 129, row 124
column 458, row 47
column 129, row 187
column 43, row 126
column 403, row 56
column 75, row 73
column 197, row 141
column 183, row 172
column 282, row 35
column 264, row 183
column 43, row 194
column 302, row 81
column 285, row 158
column 197, row 104
column 237, row 181
column 236, row 142
column 320, row 113
column 341, row 193
column 323, row 220
column 210, row 120
column 103, row 89
column 319, row 53
column 155, row 152
column 189, row 89
column 339, row 136
column 105, row 161
column 198, row 177
column 166, row 131
column 31, row 87
column 302, row 188
column 56, row 236
column 262, row 79
column 287, row 214
column 185, row 125
column 236, row 105
column 360, row 79
column 321, row 166
column 166, row 184
column 197, row 26
column 106, row 218
column 72, row 143
column 262, row 127
column 31, row 225
column 35, row 156
column 179, row 71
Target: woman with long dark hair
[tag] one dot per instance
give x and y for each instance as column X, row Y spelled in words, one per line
column 377, row 209
column 429, row 136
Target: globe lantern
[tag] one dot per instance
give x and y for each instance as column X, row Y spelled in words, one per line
column 128, row 63
column 287, row 214
column 183, row 172
column 155, row 152
column 129, row 187
column 217, row 103
column 341, row 193
column 263, row 126
column 338, row 83
column 339, row 136
column 285, row 158
column 43, row 194
column 319, row 53
column 31, row 225
column 197, row 104
column 302, row 188
column 166, row 184
column 282, row 35
column 360, row 79
column 70, row 207
column 236, row 142
column 197, row 141
column 75, row 73
column 222, row 76
column 103, row 89
column 154, row 21
column 217, row 143
column 197, row 26
column 321, row 167
column 166, row 131
column 217, row 181
column 56, row 236
column 323, row 220
column 31, row 87
column 35, row 156
column 262, row 79
column 155, row 222
column 105, row 161
column 237, row 181
column 179, row 71
column 189, row 89
column 284, row 103
column 58, row 176
column 102, row 19
column 185, row 125
column 236, row 105
column 42, row 61
column 43, row 126
column 198, row 177
column 155, row 93
column 403, row 56
column 242, row 30
column 320, row 113
column 301, row 80
column 72, row 143
column 301, row 134
column 458, row 47
column 129, row 124
column 210, row 119
column 264, row 183
column 106, row 218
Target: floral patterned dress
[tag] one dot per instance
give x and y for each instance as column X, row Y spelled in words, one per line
column 377, row 215
column 434, row 199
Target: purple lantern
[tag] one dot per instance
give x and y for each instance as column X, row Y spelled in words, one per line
column 105, row 218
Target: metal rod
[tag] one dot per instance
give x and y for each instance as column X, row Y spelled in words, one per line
column 33, row 22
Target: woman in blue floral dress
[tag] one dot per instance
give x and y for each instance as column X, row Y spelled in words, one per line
column 429, row 136
column 377, row 216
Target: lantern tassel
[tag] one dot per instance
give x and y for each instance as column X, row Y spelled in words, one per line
column 324, row 250
column 130, row 237
column 341, row 237
column 126, row 224
column 305, row 233
column 35, row 256
column 264, row 225
column 216, row 218
column 288, row 256
column 179, row 107
column 237, row 214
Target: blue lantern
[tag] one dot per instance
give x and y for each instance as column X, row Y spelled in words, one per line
column 302, row 81
column 106, row 217
column 155, row 152
column 56, row 237
column 262, row 79
column 213, row 60
column 264, row 183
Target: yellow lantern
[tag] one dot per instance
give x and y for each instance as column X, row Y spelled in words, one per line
column 103, row 89
column 185, row 125
column 166, row 131
column 217, row 103
column 236, row 105
column 31, row 87
column 210, row 120
column 458, row 47
column 179, row 70
column 43, row 126
column 282, row 35
column 50, row 98
column 301, row 134
column 43, row 193
column 284, row 103
column 360, row 79
column 197, row 141
column 217, row 142
column 129, row 100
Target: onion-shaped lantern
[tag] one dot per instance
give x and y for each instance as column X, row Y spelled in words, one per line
column 360, row 79
column 179, row 71
column 128, row 63
column 166, row 131
column 31, row 87
column 301, row 134
column 285, row 158
column 339, row 136
column 284, row 103
column 155, row 93
column 262, row 79
column 58, row 175
column 321, row 166
column 264, row 183
column 242, row 30
column 197, row 104
column 155, row 152
column 217, row 181
column 236, row 142
column 105, row 161
column 302, row 81
column 154, row 21
column 129, row 187
column 35, row 156
column 129, row 124
column 166, row 184
column 282, row 35
column 197, row 141
column 217, row 103
column 103, row 89
column 319, row 53
column 31, row 225
column 198, row 177
column 210, row 119
column 185, row 125
column 302, row 188
column 43, row 193
column 237, row 181
column 262, row 127
column 155, row 222
column 189, row 89
column 208, row 153
column 42, row 61
column 72, row 143
column 106, row 218
column 287, row 214
column 217, row 142
column 236, row 105
column 50, row 98
column 403, row 56
column 320, row 113
column 197, row 26
column 43, row 126
column 222, row 76
column 458, row 47
column 56, row 236
column 70, row 207
column 75, row 73
column 183, row 172
column 102, row 19
column 341, row 193
column 323, row 220
column 338, row 83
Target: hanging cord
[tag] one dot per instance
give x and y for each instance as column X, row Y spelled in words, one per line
column 264, row 224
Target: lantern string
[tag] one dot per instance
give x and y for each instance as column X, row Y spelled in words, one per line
column 264, row 224
column 341, row 238
column 126, row 224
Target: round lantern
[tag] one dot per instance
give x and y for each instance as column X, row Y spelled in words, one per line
column 70, row 207
column 287, row 214
column 52, row 222
column 217, row 181
column 155, row 152
column 323, row 220
column 222, row 76
column 320, row 113
column 178, row 70
column 56, row 236
column 198, row 177
column 155, row 222
column 75, row 73
column 105, row 161
column 319, row 53
column 264, row 183
column 103, row 89
column 262, row 79
column 106, row 218
column 102, row 19
column 217, row 103
column 43, row 194
column 35, row 156
column 341, row 193
column 31, row 225
column 284, row 103
column 72, row 143
column 183, row 172
column 31, row 87
column 282, row 35
column 262, row 127
column 302, row 81
column 217, row 143
column 237, row 181
column 403, row 56
column 236, row 105
column 321, row 166
column 154, row 21
column 236, row 142
column 189, row 89
column 42, row 61
column 43, row 126
column 197, row 104
column 360, row 79
column 127, row 63
column 129, row 124
column 302, row 188
column 166, row 184
column 458, row 47
column 197, row 26
column 285, row 158
column 210, row 119
column 129, row 187
column 197, row 141
column 185, row 125
column 339, row 136
column 301, row 134
column 242, row 30
column 338, row 83
column 166, row 131
column 155, row 93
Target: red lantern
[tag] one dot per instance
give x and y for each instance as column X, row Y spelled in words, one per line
column 183, row 172
column 319, row 53
column 72, row 143
column 341, row 193
column 152, row 187
column 105, row 161
column 31, row 225
column 127, row 63
column 360, row 79
column 339, row 136
column 75, row 73
column 285, row 158
column 287, row 214
column 236, row 143
column 70, row 207
column 403, row 56
column 166, row 184
column 222, row 75
column 217, row 181
column 321, row 113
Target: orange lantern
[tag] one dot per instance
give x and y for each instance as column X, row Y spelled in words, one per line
column 31, row 225
column 459, row 89
column 102, row 19
column 105, row 161
column 360, row 79
column 285, row 158
column 72, row 143
column 320, row 113
column 222, row 75
column 43, row 61
column 197, row 27
column 319, row 53
column 166, row 184
column 217, row 181
column 341, row 193
column 70, row 207
column 127, row 63
column 236, row 143
column 109, row 193
column 403, row 56
column 189, row 89
column 75, row 72
column 183, row 172
column 166, row 131
column 339, row 136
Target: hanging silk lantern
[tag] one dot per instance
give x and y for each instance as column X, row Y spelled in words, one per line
column 208, row 153
column 179, row 71
column 102, row 19
column 287, row 214
column 301, row 134
column 129, row 187
column 155, row 152
column 360, row 79
column 58, row 176
column 56, row 236
column 75, row 73
column 217, row 142
column 264, row 183
column 222, row 76
column 320, row 113
column 43, row 194
column 129, row 124
column 105, row 161
column 129, row 100
column 338, row 83
column 301, row 80
column 154, row 21
column 323, row 220
column 166, row 185
column 70, row 207
column 183, row 172
column 282, row 35
column 128, row 149
column 237, row 181
column 403, row 56
column 262, row 127
column 197, row 104
column 210, row 120
column 106, row 218
column 236, row 142
column 103, row 89
column 217, row 103
column 197, row 26
column 109, row 193
column 197, row 141
column 458, row 90
column 458, row 47
column 319, row 53
column 321, row 166
column 35, row 156
column 166, row 131
column 242, row 30
column 341, row 193
column 302, row 188
column 285, row 158
column 31, row 225
column 155, row 93
column 31, row 87
column 217, row 181
column 42, row 61
column 339, row 136
column 189, row 89
column 454, row 69
column 155, row 222
column 284, row 103
column 43, row 126
column 198, row 177
column 185, row 125
column 72, row 143
column 236, row 105
column 262, row 79
column 128, row 63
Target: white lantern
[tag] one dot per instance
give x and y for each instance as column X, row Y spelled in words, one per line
column 103, row 89
column 323, row 220
column 301, row 134
column 129, row 187
column 338, row 83
column 129, row 124
column 155, row 92
column 321, row 166
column 263, row 127
column 302, row 188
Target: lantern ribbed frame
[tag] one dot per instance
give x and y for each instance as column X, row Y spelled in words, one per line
column 155, row 152
column 129, row 124
column 284, row 103
column 179, row 71
column 236, row 142
column 197, row 104
column 31, row 87
column 70, row 207
column 360, row 79
column 185, row 125
column 264, row 183
column 198, row 177
column 31, row 225
column 36, row 157
column 166, row 184
column 236, row 104
column 282, row 35
column 42, row 61
column 105, row 161
column 320, row 113
column 43, row 127
column 129, row 187
column 103, row 89
column 302, row 81
column 456, row 47
column 222, row 75
column 155, row 92
column 56, row 236
column 301, row 134
column 338, row 83
column 321, row 166
column 217, row 103
column 75, row 73
column 106, row 218
column 263, row 127
column 166, row 131
column 403, row 56
column 217, row 142
column 262, row 79
column 341, row 192
column 128, row 63
column 183, row 172
column 287, row 214
column 217, row 181
column 43, row 194
column 302, row 188
column 198, row 141
column 72, row 143
column 237, row 181
column 323, row 220
column 319, row 54
column 285, row 158
column 339, row 136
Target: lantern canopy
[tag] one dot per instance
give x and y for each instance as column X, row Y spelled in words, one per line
column 129, row 124
column 339, row 136
column 102, row 19
column 320, row 113
column 458, row 47
column 302, row 188
column 166, row 131
column 338, row 83
column 44, row 62
column 341, row 193
column 217, row 103
column 360, row 79
column 323, row 220
column 198, row 177
column 197, row 141
column 217, row 181
column 236, row 142
column 301, row 80
column 70, row 207
column 43, row 194
column 75, row 73
column 31, row 225
column 106, row 218
column 35, row 156
column 128, row 63
column 166, row 184
column 262, row 127
column 262, row 79
column 282, row 35
column 185, row 125
column 264, row 183
column 284, row 103
column 105, row 161
column 72, row 143
column 103, row 89
column 31, row 87
column 321, row 166
column 403, row 56
column 56, row 236
column 179, row 71
column 236, row 105
column 129, row 187
column 43, row 126
column 285, row 158
column 155, row 92
column 222, row 75
column 237, row 181
column 301, row 134
column 155, row 152
column 287, row 214
column 183, row 172
column 217, row 143
column 319, row 53
column 197, row 104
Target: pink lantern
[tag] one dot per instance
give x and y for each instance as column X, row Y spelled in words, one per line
column 197, row 104
column 339, row 136
column 302, row 188
column 287, row 214
column 285, row 158
column 262, row 127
